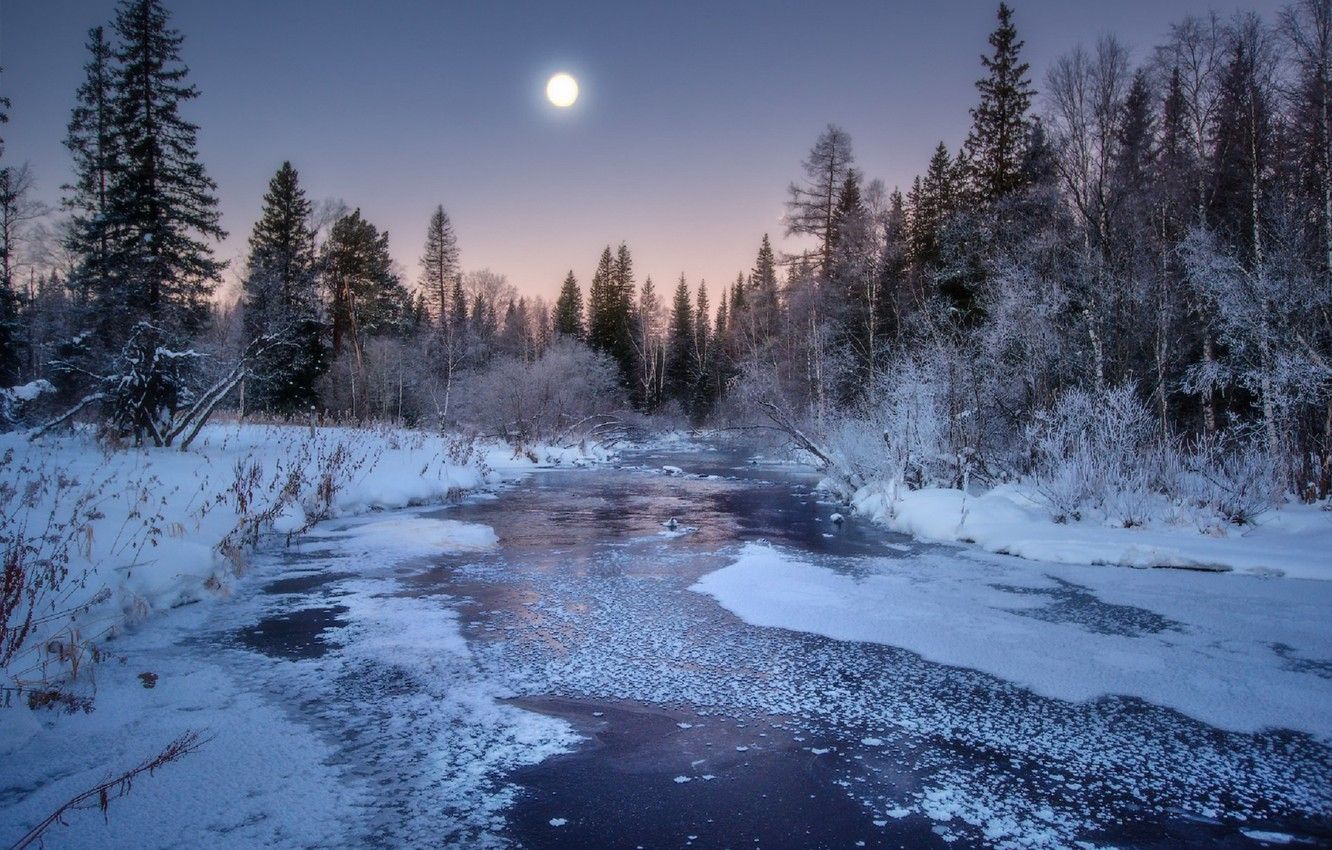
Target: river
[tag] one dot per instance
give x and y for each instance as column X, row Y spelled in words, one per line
column 700, row 730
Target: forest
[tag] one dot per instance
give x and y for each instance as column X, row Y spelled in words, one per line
column 1117, row 285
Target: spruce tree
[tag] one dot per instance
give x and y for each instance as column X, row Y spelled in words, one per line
column 439, row 264
column 458, row 306
column 702, row 328
column 761, row 293
column 281, row 299
column 569, row 309
column 622, row 283
column 705, row 360
column 933, row 199
column 849, row 206
column 680, row 348
column 996, row 145
column 368, row 298
column 160, row 201
column 601, row 306
column 1241, row 149
column 91, row 142
column 721, row 328
column 610, row 325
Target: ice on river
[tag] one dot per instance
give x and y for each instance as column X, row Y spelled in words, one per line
column 1211, row 649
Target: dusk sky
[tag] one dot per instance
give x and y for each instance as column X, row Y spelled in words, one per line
column 693, row 117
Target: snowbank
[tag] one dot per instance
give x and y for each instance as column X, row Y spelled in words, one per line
column 1212, row 651
column 141, row 530
column 1294, row 541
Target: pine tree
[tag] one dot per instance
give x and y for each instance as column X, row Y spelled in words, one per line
column 569, row 309
column 91, row 141
column 1175, row 165
column 895, row 268
column 281, row 298
column 996, row 145
column 515, row 337
column 439, row 264
column 705, row 356
column 811, row 207
column 160, row 202
column 680, row 348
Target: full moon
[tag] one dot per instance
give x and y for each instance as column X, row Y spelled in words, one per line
column 562, row 90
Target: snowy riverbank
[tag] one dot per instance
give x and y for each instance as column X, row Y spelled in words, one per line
column 138, row 531
column 1294, row 541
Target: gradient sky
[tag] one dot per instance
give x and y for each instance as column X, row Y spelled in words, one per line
column 693, row 116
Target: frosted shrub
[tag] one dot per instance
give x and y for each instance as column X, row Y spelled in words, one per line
column 525, row 401
column 1093, row 452
column 901, row 435
column 1233, row 477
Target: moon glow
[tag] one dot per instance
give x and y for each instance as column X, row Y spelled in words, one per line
column 562, row 90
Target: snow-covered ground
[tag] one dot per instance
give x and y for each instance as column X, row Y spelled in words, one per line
column 276, row 768
column 139, row 531
column 1295, row 541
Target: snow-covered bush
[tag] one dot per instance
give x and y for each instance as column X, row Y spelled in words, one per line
column 1093, row 451
column 901, row 434
column 17, row 402
column 526, row 401
column 1232, row 477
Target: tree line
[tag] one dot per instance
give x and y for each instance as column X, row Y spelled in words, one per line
column 1158, row 231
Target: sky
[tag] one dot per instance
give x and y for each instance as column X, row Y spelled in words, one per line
column 692, row 119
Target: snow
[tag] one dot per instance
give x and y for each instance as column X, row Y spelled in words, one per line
column 1267, row 837
column 148, row 530
column 409, row 536
column 1293, row 542
column 1207, row 648
column 31, row 390
column 440, row 734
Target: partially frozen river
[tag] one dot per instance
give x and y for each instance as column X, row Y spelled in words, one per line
column 561, row 685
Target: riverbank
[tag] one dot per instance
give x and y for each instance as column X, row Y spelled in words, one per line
column 1293, row 541
column 105, row 539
